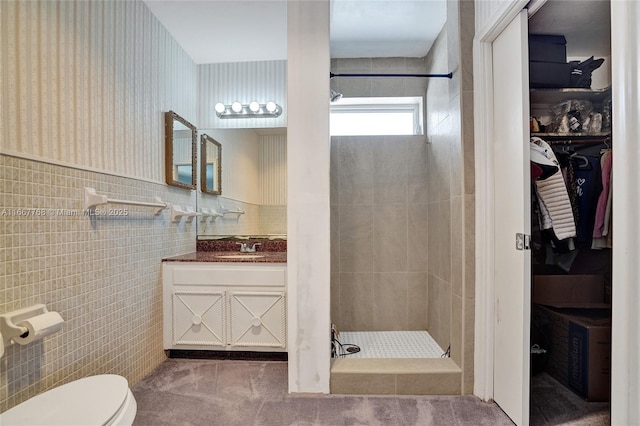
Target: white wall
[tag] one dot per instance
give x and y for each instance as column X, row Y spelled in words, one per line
column 486, row 10
column 308, row 268
column 625, row 340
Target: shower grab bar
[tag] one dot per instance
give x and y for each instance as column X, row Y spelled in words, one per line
column 91, row 200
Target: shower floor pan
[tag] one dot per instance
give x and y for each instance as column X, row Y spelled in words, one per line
column 392, row 344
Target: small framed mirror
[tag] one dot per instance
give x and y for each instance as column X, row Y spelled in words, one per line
column 180, row 151
column 210, row 165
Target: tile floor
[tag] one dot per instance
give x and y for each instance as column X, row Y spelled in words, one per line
column 391, row 344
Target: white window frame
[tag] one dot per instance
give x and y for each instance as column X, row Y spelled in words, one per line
column 412, row 104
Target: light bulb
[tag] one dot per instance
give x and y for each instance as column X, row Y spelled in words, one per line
column 236, row 106
column 254, row 106
column 220, row 108
column 271, row 106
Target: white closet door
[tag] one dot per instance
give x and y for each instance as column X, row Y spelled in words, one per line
column 512, row 216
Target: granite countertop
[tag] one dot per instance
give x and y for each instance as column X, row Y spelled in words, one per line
column 213, row 256
column 270, row 251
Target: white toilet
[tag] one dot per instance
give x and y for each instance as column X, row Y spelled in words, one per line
column 97, row 400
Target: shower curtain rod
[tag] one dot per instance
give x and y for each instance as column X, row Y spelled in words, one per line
column 450, row 75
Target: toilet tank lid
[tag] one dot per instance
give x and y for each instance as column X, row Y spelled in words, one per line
column 92, row 400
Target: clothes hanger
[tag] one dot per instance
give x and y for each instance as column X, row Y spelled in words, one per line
column 585, row 160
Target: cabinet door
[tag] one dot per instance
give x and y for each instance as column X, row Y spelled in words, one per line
column 257, row 319
column 199, row 318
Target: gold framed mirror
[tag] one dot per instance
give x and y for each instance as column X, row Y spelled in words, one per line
column 210, row 165
column 180, row 151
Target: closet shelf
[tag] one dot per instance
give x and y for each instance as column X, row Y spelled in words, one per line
column 556, row 96
column 601, row 135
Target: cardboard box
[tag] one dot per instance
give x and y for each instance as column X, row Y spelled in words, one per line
column 569, row 291
column 548, row 48
column 580, row 349
column 549, row 75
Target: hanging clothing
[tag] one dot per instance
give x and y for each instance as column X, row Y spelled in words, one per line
column 555, row 206
column 601, row 230
column 568, row 172
column 601, row 207
column 608, row 226
column 589, row 186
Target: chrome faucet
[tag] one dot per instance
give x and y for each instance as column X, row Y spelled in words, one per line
column 253, row 248
column 245, row 248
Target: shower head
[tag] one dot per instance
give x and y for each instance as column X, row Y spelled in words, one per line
column 335, row 96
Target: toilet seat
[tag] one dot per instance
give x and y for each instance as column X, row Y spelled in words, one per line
column 97, row 400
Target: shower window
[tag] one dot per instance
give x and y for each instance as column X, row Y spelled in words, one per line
column 376, row 116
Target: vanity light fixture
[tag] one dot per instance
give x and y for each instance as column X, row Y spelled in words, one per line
column 251, row 110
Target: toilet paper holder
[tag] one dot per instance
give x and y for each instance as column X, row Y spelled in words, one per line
column 9, row 324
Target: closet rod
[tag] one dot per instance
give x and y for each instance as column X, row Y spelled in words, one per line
column 596, row 141
column 450, row 75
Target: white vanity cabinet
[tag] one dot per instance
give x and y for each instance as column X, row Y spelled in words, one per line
column 224, row 306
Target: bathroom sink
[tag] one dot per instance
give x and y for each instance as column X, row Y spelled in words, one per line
column 239, row 256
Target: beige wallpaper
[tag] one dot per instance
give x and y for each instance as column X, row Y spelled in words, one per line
column 83, row 88
column 273, row 170
column 87, row 82
column 244, row 82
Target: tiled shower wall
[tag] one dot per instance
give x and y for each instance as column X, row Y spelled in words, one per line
column 83, row 89
column 403, row 256
column 451, row 190
column 379, row 233
column 379, row 211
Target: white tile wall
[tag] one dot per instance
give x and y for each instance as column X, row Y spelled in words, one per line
column 273, row 220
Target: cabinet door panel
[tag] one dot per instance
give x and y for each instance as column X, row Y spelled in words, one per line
column 199, row 318
column 257, row 319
